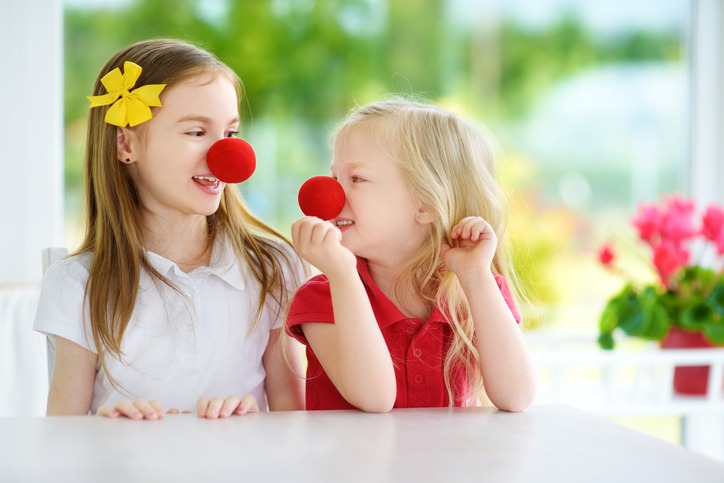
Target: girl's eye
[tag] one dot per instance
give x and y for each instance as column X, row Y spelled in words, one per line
column 232, row 134
column 357, row 179
column 196, row 134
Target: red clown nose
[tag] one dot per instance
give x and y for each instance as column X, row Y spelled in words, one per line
column 321, row 196
column 231, row 160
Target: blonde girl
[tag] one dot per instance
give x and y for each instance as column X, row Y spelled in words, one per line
column 413, row 306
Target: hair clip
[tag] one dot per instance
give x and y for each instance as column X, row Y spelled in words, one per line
column 133, row 107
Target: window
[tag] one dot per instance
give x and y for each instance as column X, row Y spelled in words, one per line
column 588, row 100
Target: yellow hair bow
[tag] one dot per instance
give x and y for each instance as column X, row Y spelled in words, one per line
column 133, row 107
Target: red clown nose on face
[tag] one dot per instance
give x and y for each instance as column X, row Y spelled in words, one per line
column 321, row 196
column 231, row 160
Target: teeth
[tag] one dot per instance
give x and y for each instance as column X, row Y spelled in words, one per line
column 210, row 179
column 344, row 222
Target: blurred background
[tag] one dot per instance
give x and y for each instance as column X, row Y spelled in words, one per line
column 596, row 107
column 588, row 101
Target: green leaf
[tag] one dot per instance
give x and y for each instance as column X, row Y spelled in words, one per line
column 697, row 316
column 658, row 324
column 715, row 332
column 605, row 341
column 716, row 298
column 633, row 323
column 610, row 316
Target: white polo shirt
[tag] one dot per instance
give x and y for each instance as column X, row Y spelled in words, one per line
column 178, row 345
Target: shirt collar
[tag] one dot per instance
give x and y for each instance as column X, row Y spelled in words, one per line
column 223, row 263
column 383, row 306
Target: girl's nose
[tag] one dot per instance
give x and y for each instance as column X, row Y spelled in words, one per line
column 321, row 196
column 231, row 160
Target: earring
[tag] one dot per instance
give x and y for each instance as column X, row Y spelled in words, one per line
column 419, row 217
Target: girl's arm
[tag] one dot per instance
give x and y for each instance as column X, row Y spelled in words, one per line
column 71, row 387
column 71, row 384
column 352, row 351
column 505, row 362
column 282, row 361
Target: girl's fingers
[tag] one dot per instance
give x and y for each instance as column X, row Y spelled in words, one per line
column 156, row 406
column 107, row 412
column 469, row 228
column 201, row 406
column 138, row 409
column 212, row 412
column 248, row 405
column 223, row 408
column 231, row 405
column 147, row 409
column 129, row 410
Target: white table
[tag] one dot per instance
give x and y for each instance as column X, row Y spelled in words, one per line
column 542, row 444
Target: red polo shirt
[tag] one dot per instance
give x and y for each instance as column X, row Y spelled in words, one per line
column 418, row 347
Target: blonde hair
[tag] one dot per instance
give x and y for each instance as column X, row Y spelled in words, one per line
column 114, row 211
column 448, row 164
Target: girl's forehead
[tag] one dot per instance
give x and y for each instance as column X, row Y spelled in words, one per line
column 364, row 149
column 199, row 81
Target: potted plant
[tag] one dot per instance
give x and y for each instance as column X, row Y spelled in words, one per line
column 684, row 305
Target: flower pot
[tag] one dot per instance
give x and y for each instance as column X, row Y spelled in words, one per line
column 688, row 380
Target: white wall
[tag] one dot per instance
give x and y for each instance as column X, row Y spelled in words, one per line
column 31, row 123
column 707, row 51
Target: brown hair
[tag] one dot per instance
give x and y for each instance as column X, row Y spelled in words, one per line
column 114, row 211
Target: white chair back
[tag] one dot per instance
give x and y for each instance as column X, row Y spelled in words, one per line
column 51, row 255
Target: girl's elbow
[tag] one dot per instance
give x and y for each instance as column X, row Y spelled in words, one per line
column 517, row 401
column 380, row 403
column 515, row 406
column 381, row 406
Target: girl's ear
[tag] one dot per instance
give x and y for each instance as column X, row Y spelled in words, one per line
column 424, row 217
column 125, row 142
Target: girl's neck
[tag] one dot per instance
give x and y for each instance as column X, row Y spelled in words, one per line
column 405, row 296
column 185, row 242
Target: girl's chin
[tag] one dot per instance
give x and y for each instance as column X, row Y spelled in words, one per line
column 208, row 210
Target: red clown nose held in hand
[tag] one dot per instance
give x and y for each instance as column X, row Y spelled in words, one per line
column 231, row 160
column 321, row 196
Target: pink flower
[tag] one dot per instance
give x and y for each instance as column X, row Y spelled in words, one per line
column 648, row 221
column 668, row 228
column 668, row 258
column 606, row 254
column 712, row 223
column 677, row 223
column 720, row 244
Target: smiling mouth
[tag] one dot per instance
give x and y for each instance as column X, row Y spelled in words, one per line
column 208, row 181
column 343, row 222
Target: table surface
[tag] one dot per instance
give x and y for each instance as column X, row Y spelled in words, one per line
column 541, row 444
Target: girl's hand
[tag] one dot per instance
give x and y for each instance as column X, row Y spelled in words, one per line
column 138, row 409
column 475, row 250
column 223, row 408
column 320, row 243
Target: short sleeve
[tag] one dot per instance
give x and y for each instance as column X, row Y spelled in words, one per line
column 505, row 292
column 293, row 275
column 61, row 310
column 311, row 303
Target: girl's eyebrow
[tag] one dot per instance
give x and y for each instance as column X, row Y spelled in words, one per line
column 351, row 166
column 203, row 119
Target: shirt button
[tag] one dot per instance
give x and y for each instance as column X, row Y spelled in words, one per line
column 418, row 379
column 417, row 352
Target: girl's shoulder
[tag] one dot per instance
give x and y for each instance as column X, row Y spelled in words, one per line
column 291, row 263
column 73, row 267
